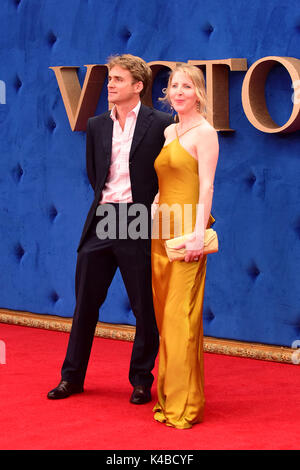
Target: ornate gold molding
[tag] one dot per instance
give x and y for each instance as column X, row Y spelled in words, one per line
column 126, row 333
column 52, row 322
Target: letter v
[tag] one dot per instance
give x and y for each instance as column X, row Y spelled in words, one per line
column 80, row 103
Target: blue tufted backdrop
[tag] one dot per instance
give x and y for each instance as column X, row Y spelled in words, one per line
column 252, row 290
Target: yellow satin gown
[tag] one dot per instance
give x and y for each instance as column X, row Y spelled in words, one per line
column 178, row 292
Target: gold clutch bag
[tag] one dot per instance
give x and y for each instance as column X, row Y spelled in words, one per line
column 211, row 245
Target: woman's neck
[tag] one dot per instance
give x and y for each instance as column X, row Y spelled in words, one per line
column 188, row 120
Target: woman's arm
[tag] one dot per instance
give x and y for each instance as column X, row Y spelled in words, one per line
column 207, row 149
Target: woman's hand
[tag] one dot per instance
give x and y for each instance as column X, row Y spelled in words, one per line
column 194, row 247
column 154, row 205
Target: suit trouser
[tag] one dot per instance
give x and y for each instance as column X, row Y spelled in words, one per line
column 97, row 263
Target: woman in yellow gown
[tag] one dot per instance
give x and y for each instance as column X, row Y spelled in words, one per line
column 186, row 170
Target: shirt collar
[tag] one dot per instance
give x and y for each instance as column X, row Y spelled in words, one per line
column 135, row 111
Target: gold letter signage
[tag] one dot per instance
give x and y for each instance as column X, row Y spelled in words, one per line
column 253, row 94
column 81, row 103
column 218, row 89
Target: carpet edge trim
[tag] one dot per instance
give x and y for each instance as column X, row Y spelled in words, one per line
column 212, row 345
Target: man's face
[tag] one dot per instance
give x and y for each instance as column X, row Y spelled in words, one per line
column 121, row 86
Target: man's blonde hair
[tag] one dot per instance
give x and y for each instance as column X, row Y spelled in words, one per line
column 139, row 69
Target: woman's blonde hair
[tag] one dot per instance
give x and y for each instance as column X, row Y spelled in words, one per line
column 139, row 69
column 197, row 77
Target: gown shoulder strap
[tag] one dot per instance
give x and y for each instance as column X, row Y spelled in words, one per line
column 193, row 127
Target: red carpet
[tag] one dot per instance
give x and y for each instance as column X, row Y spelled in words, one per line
column 250, row 404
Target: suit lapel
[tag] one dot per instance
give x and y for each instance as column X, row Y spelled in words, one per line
column 143, row 122
column 106, row 133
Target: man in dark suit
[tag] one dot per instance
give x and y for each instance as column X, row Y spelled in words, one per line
column 121, row 147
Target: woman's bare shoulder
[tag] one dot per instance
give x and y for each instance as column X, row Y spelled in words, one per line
column 207, row 128
column 170, row 130
column 207, row 134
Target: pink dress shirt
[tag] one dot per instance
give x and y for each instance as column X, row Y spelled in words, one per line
column 118, row 187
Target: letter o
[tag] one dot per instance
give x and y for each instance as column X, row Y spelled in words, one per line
column 253, row 94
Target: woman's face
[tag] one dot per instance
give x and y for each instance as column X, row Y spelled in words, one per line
column 182, row 93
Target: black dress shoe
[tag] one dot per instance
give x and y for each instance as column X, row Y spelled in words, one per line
column 64, row 390
column 140, row 395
